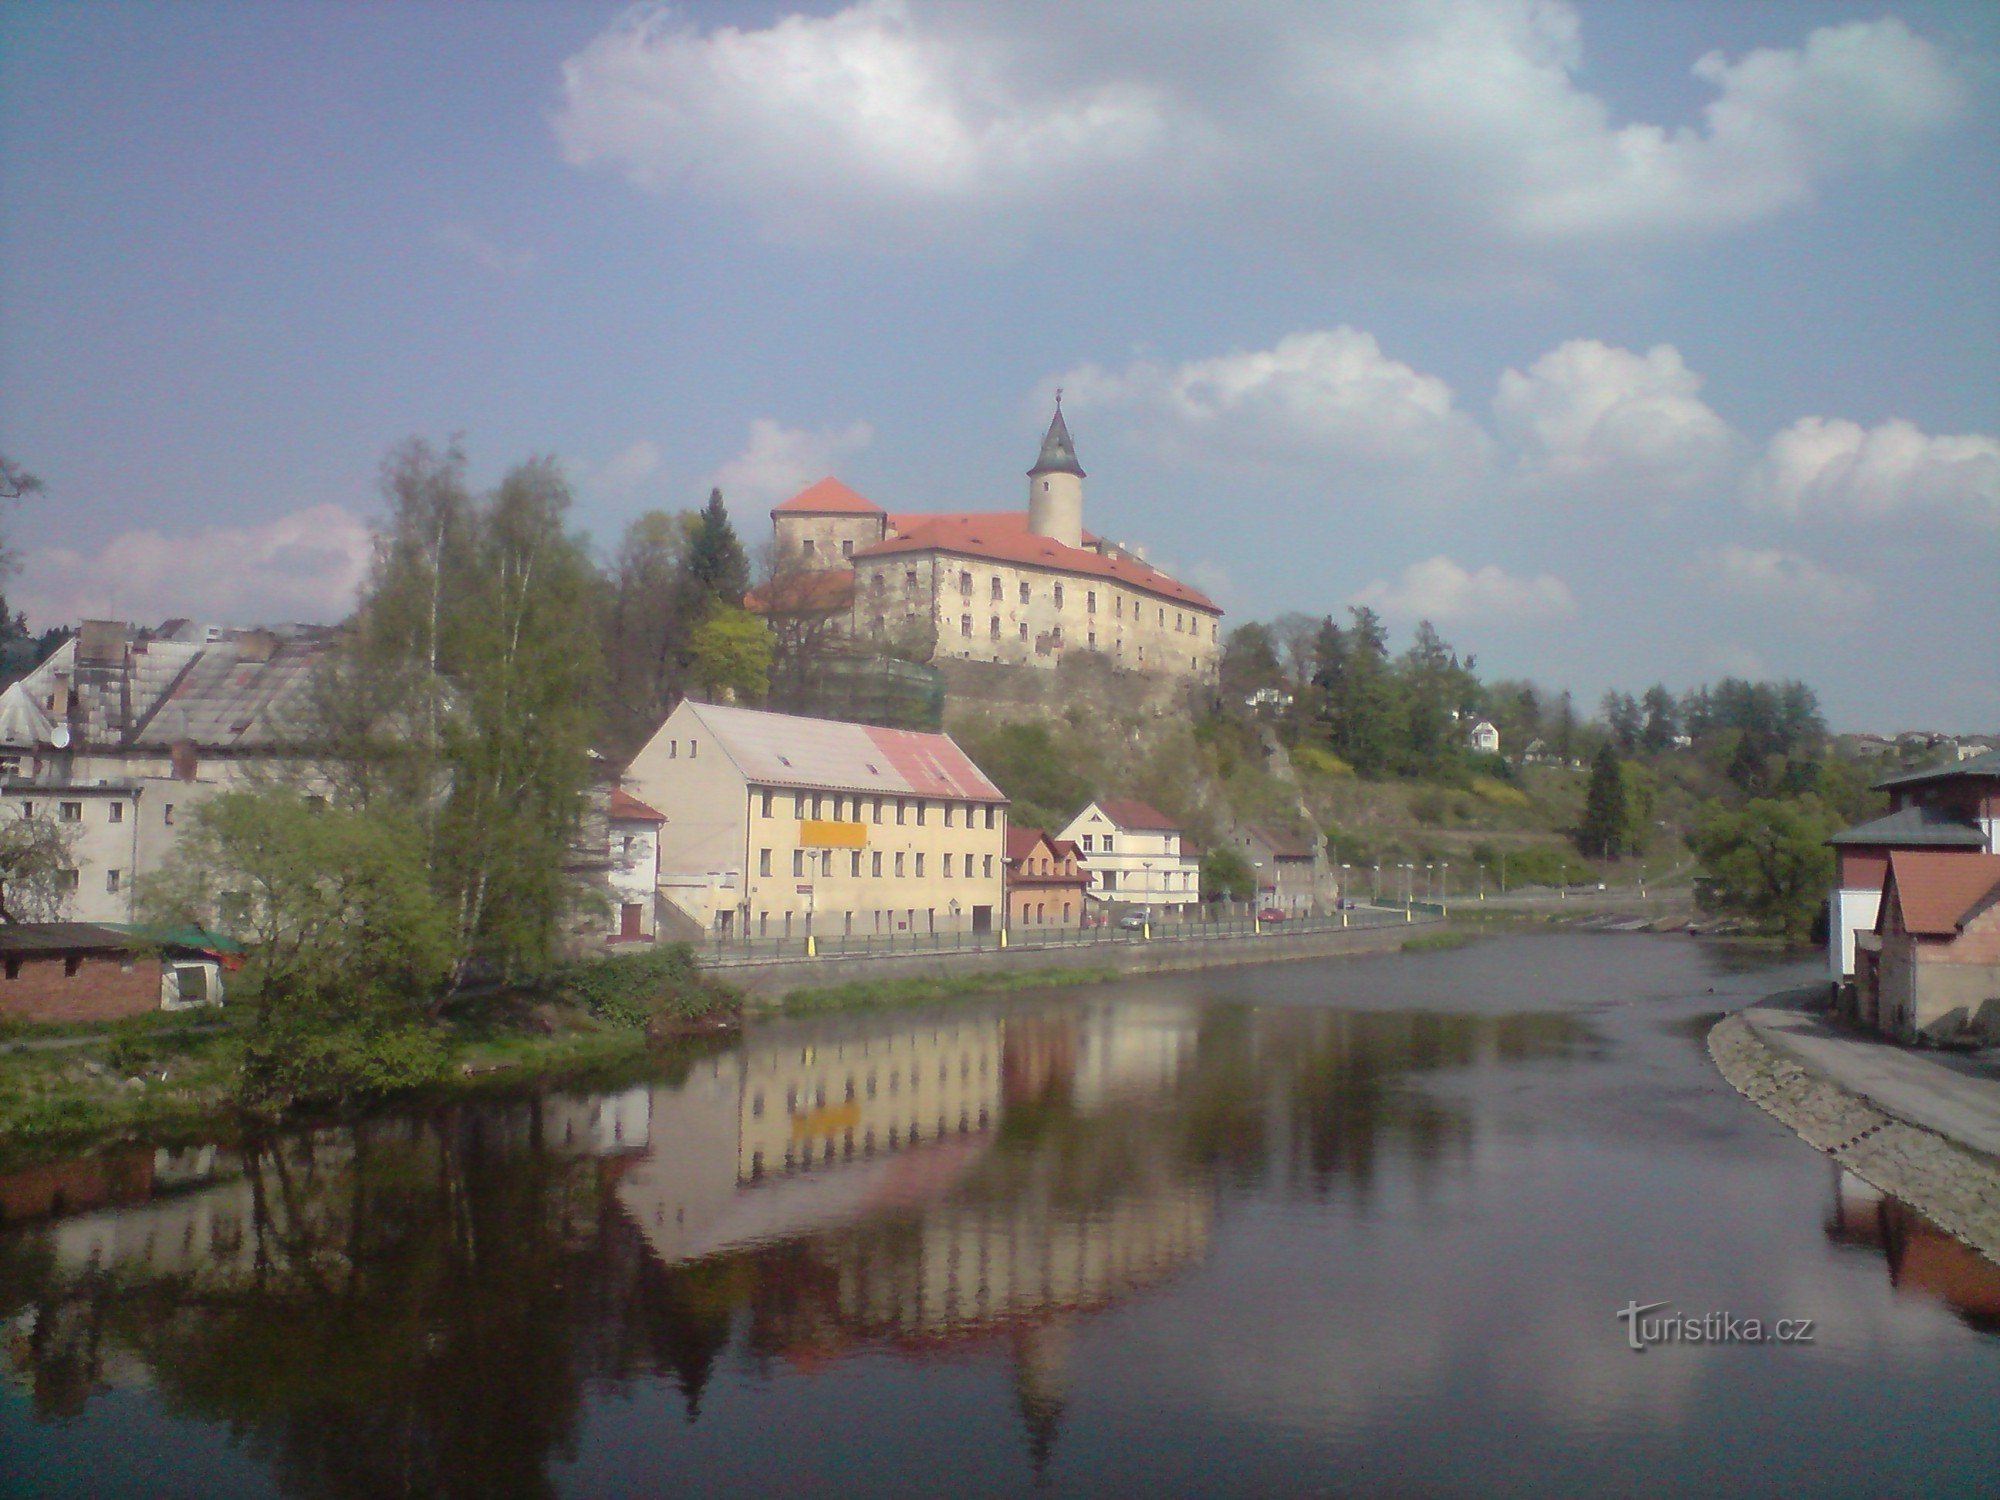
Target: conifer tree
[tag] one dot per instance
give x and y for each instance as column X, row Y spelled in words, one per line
column 1602, row 832
column 715, row 563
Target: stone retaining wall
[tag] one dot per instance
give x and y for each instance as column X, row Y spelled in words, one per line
column 1955, row 1188
column 766, row 982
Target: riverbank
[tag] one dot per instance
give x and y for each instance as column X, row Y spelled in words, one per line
column 1949, row 1182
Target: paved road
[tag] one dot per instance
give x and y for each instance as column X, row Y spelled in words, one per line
column 1956, row 1095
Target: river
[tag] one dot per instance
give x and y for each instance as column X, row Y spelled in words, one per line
column 1358, row 1225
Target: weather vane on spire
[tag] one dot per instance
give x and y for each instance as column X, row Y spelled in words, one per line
column 1058, row 398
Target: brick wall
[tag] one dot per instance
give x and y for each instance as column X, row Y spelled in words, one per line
column 101, row 989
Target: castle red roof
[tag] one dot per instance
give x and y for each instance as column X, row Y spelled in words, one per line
column 1003, row 536
column 828, row 497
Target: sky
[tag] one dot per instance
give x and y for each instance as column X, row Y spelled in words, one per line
column 1626, row 342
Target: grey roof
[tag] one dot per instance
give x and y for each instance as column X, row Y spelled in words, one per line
column 786, row 750
column 65, row 937
column 1914, row 828
column 1058, row 452
column 1987, row 764
column 127, row 689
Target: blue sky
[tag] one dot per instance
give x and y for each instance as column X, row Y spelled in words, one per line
column 1628, row 342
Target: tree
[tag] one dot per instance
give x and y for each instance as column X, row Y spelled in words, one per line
column 646, row 627
column 729, row 655
column 37, row 869
column 1662, row 723
column 1768, row 861
column 1249, row 661
column 15, row 483
column 1621, row 714
column 1602, row 833
column 1226, row 876
column 808, row 611
column 716, row 568
column 1565, row 725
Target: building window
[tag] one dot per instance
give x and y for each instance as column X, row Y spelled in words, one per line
column 965, row 625
column 947, row 815
column 1093, row 640
column 694, row 749
column 899, row 866
column 1111, row 880
column 1107, row 844
column 920, row 812
column 901, row 809
column 1090, row 602
column 990, row 811
column 764, row 804
column 168, row 818
column 1058, row 596
column 1118, row 605
column 947, row 866
column 909, row 578
column 920, row 865
column 763, row 861
column 1024, row 591
column 996, row 588
column 798, row 804
column 878, row 809
column 798, row 862
column 877, row 583
column 818, row 804
column 806, row 546
column 69, row 812
column 965, row 584
column 1088, row 839
column 117, row 812
column 875, row 863
column 854, row 862
column 986, row 866
column 113, row 879
column 1024, row 630
column 847, row 549
column 993, row 629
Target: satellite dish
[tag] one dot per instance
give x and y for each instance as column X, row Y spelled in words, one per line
column 59, row 736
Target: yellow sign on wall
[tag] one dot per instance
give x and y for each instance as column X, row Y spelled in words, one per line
column 823, row 833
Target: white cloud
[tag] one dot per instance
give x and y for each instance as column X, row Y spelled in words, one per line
column 1831, row 467
column 630, row 466
column 484, row 253
column 1440, row 589
column 780, row 461
column 1450, row 129
column 1588, row 415
column 1786, row 583
column 1316, row 399
column 301, row 567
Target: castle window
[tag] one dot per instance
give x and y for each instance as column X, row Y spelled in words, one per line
column 1024, row 592
column 1058, row 596
column 1090, row 602
column 1024, row 630
column 1118, row 605
column 806, row 546
column 1093, row 640
column 993, row 629
column 877, row 582
column 965, row 583
column 847, row 549
column 996, row 588
column 965, row 624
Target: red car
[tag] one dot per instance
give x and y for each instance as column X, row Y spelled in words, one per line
column 1270, row 914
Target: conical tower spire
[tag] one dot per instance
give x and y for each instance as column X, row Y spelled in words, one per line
column 1058, row 452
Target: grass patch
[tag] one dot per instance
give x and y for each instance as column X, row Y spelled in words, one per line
column 866, row 993
column 1437, row 942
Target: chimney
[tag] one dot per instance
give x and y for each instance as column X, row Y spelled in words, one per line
column 186, row 761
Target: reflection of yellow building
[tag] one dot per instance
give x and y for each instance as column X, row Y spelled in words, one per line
column 837, row 1097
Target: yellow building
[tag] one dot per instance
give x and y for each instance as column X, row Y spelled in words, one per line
column 780, row 826
column 1022, row 588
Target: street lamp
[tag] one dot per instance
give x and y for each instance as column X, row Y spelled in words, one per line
column 1430, row 882
column 1375, row 886
column 1444, row 879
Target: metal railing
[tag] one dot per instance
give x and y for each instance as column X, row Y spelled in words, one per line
column 725, row 951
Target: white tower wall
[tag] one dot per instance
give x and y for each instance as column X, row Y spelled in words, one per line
column 1055, row 507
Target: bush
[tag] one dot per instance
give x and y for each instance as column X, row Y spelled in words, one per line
column 1313, row 761
column 320, row 1061
column 631, row 989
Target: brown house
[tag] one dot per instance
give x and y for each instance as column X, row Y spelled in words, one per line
column 1045, row 880
column 78, row 971
column 1933, row 969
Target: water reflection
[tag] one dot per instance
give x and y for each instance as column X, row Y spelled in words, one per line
column 1922, row 1259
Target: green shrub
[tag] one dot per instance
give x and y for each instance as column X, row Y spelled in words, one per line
column 1314, row 761
column 321, row 1061
column 630, row 989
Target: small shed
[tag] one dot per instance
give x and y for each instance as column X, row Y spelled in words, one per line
column 85, row 971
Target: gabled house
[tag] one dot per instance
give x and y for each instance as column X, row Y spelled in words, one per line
column 1950, row 807
column 1046, row 880
column 1934, row 969
column 1283, row 863
column 1137, row 855
column 1484, row 738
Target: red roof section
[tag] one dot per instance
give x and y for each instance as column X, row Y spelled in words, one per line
column 829, row 497
column 1003, row 536
column 1938, row 890
column 1131, row 813
column 627, row 808
column 1021, row 842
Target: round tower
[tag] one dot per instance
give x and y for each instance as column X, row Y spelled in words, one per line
column 1055, row 486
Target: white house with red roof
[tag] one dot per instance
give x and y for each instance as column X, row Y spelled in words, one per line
column 779, row 825
column 1137, row 855
column 1018, row 587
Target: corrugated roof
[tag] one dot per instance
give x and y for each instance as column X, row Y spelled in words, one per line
column 1984, row 765
column 828, row 497
column 1131, row 814
column 1003, row 536
column 1914, row 828
column 1937, row 891
column 791, row 750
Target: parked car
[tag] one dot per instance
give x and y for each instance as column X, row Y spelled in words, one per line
column 1348, row 903
column 1136, row 919
column 1271, row 914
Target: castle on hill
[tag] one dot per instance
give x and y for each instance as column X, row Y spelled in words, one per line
column 1022, row 588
